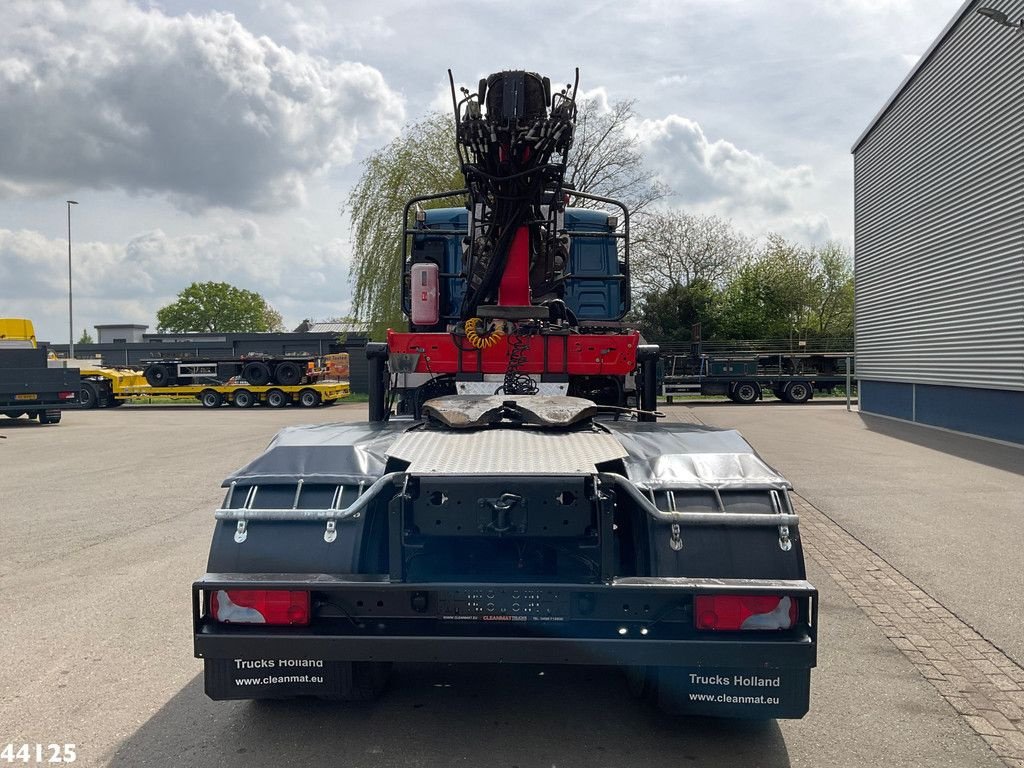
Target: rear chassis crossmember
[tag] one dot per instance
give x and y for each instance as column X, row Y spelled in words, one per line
column 629, row 621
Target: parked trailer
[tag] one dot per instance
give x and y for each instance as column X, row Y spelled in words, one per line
column 257, row 370
column 744, row 377
column 245, row 395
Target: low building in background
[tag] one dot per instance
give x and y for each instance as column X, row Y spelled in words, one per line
column 119, row 333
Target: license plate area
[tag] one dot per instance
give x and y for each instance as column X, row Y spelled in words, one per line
column 27, row 396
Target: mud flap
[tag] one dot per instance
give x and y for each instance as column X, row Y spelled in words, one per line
column 273, row 678
column 732, row 692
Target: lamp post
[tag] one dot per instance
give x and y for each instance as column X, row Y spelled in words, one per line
column 1001, row 18
column 71, row 319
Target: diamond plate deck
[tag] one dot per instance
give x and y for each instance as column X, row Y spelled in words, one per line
column 505, row 451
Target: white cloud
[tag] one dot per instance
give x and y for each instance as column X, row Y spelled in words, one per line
column 719, row 173
column 128, row 282
column 103, row 94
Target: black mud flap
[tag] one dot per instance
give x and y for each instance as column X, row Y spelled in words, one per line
column 757, row 694
column 273, row 678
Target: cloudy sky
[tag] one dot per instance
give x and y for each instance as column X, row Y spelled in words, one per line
column 217, row 141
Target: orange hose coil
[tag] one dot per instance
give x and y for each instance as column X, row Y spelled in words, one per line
column 483, row 335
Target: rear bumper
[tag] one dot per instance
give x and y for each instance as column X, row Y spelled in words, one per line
column 631, row 621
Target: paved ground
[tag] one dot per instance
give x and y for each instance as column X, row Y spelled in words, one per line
column 105, row 520
column 947, row 510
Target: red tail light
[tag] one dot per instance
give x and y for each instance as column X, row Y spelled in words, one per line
column 66, row 395
column 260, row 606
column 728, row 612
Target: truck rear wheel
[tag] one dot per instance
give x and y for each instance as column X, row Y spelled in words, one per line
column 640, row 681
column 256, row 373
column 309, row 398
column 363, row 680
column 211, row 398
column 288, row 374
column 244, row 399
column 49, row 417
column 88, row 396
column 746, row 392
column 798, row 392
column 277, row 399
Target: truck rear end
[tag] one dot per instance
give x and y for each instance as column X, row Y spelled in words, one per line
column 29, row 387
column 510, row 531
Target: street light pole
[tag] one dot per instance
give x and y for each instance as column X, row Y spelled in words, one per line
column 71, row 319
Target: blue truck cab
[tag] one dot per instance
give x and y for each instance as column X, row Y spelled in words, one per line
column 596, row 290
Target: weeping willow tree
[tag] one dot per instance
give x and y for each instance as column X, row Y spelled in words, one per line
column 421, row 161
column 605, row 160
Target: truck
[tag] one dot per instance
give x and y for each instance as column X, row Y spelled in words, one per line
column 512, row 497
column 28, row 386
column 744, row 371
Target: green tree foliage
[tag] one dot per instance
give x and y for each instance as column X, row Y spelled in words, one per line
column 669, row 315
column 218, row 308
column 605, row 160
column 85, row 338
column 783, row 290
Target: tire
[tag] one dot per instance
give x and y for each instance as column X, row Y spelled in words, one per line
column 49, row 417
column 256, row 373
column 362, row 680
column 88, row 396
column 244, row 399
column 288, row 374
column 277, row 399
column 746, row 393
column 113, row 402
column 798, row 392
column 640, row 681
column 309, row 398
column 158, row 375
column 211, row 398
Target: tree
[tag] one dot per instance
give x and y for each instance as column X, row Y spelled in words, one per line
column 605, row 160
column 85, row 338
column 218, row 308
column 787, row 290
column 672, row 248
column 669, row 315
column 421, row 161
column 832, row 298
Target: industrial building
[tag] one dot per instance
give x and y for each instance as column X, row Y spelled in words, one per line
column 939, row 234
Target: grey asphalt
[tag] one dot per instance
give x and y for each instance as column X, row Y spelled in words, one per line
column 105, row 520
column 945, row 509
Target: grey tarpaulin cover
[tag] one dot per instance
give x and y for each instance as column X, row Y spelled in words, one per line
column 691, row 456
column 323, row 453
column 659, row 456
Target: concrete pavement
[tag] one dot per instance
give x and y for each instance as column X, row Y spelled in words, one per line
column 105, row 522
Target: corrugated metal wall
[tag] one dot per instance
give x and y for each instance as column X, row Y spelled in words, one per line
column 939, row 218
